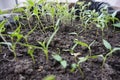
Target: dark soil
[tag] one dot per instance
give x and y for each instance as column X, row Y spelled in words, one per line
column 23, row 67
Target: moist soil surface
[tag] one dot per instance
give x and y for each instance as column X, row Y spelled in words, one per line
column 23, row 68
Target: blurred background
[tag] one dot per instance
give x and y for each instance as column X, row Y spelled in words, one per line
column 10, row 4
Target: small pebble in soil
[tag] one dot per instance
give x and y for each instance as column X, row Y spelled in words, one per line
column 40, row 68
column 100, row 59
column 21, row 77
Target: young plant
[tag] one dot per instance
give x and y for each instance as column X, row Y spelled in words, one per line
column 29, row 4
column 63, row 13
column 109, row 47
column 83, row 44
column 101, row 21
column 73, row 47
column 58, row 58
column 44, row 45
column 77, row 65
column 31, row 49
column 32, row 8
column 15, row 36
column 83, row 14
column 81, row 60
column 11, row 47
column 30, row 52
column 57, row 13
column 71, row 50
column 37, row 12
column 50, row 10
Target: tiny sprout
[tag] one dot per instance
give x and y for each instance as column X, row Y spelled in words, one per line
column 49, row 77
column 59, row 59
column 107, row 44
column 30, row 52
column 73, row 66
column 83, row 44
column 44, row 45
column 109, row 47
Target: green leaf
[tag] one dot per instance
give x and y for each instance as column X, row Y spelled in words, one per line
column 117, row 25
column 74, row 33
column 74, row 65
column 83, row 59
column 57, row 23
column 35, row 11
column 30, row 52
column 42, row 44
column 64, row 63
column 6, row 43
column 113, row 50
column 30, row 2
column 81, row 43
column 57, row 57
column 2, row 28
column 116, row 49
column 107, row 44
column 92, row 43
column 96, row 56
column 49, row 77
column 114, row 14
column 51, row 37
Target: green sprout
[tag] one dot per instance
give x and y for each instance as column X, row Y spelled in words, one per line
column 30, row 52
column 117, row 25
column 101, row 21
column 58, row 58
column 15, row 36
column 44, row 45
column 77, row 65
column 49, row 77
column 109, row 47
column 30, row 32
column 81, row 60
column 9, row 45
column 29, row 4
column 63, row 13
column 85, row 15
column 31, row 49
column 83, row 44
